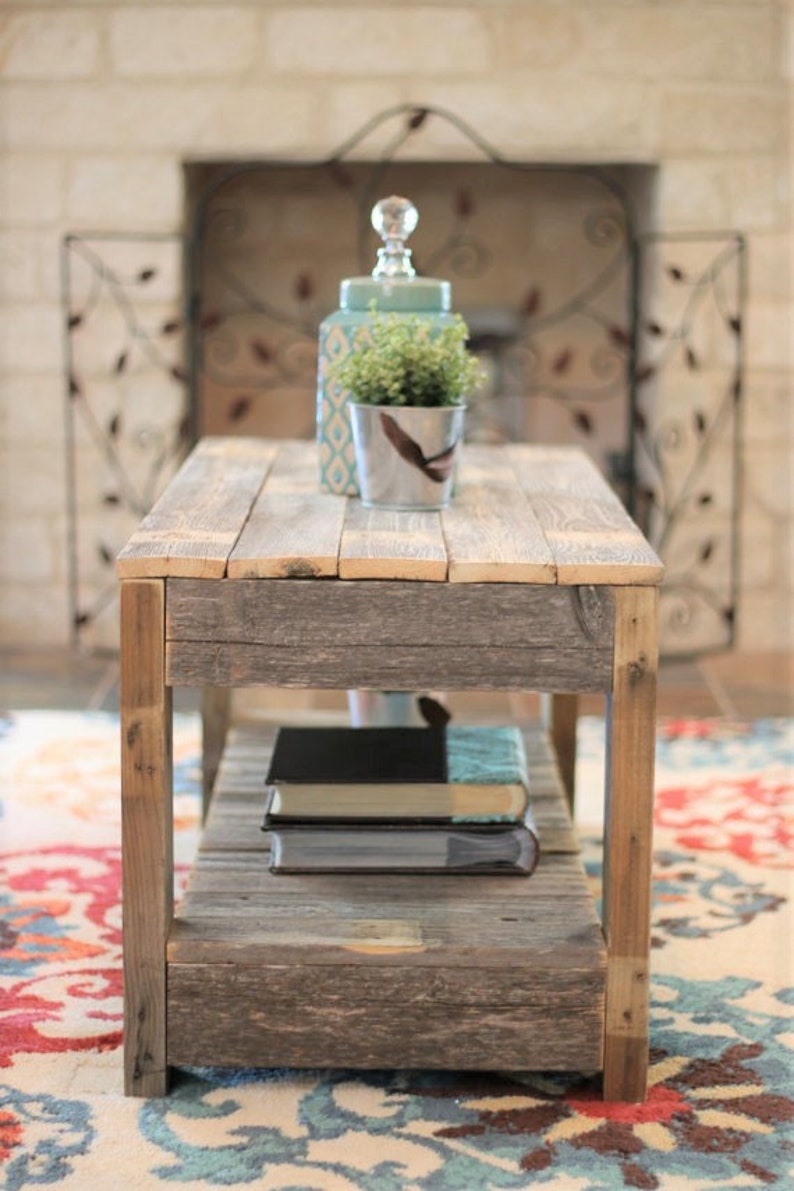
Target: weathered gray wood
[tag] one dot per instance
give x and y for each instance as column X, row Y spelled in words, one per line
column 464, row 932
column 146, row 834
column 416, row 668
column 493, row 971
column 493, row 614
column 294, row 530
column 194, row 525
column 491, row 532
column 227, row 870
column 453, row 636
column 351, row 983
column 382, row 544
column 575, row 530
column 592, row 537
column 215, row 712
column 335, row 1018
column 562, row 729
column 628, row 843
column 339, row 969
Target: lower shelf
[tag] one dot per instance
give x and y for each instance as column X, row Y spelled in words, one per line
column 468, row 972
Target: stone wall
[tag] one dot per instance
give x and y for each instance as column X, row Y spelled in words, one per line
column 102, row 105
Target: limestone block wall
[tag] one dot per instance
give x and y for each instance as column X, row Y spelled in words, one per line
column 102, row 104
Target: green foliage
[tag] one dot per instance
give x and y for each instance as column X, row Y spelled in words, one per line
column 399, row 360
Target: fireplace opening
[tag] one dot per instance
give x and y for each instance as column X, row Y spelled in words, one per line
column 597, row 328
column 540, row 259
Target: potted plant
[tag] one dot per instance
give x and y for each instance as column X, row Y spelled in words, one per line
column 408, row 382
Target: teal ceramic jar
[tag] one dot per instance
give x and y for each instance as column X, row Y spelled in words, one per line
column 393, row 286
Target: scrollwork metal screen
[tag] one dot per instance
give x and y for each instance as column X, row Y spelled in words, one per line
column 593, row 328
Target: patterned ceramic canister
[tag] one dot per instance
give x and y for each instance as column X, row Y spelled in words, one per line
column 393, row 286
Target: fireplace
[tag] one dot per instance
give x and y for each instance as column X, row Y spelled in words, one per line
column 596, row 328
column 539, row 258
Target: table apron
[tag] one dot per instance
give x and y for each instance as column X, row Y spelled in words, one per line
column 324, row 634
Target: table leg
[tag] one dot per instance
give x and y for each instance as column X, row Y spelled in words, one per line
column 146, row 833
column 215, row 712
column 631, row 726
column 562, row 729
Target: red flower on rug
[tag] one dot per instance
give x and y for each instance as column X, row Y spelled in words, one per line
column 749, row 817
column 10, row 1134
column 60, row 951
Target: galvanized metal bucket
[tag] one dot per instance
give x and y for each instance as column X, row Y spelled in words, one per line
column 406, row 455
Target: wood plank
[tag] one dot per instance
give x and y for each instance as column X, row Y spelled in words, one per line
column 414, row 668
column 628, row 843
column 490, row 529
column 215, row 715
column 146, row 834
column 425, row 635
column 497, row 615
column 352, row 983
column 194, row 525
column 463, row 931
column 592, row 538
column 562, row 728
column 237, row 873
column 237, row 1016
column 294, row 529
column 384, row 544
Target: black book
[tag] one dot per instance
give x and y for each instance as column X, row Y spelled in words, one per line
column 398, row 776
column 484, row 849
column 353, row 755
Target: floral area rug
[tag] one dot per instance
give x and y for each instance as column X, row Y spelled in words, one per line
column 719, row 1111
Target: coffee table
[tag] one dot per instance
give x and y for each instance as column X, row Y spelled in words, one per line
column 244, row 574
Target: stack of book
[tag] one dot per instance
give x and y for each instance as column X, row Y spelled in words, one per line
column 413, row 800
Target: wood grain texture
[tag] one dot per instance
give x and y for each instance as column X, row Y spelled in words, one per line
column 488, row 971
column 478, row 960
column 389, row 635
column 592, row 538
column 294, row 530
column 491, row 532
column 628, row 843
column 563, row 719
column 413, row 668
column 147, row 834
column 194, row 525
column 521, row 514
column 215, row 715
column 238, row 1016
column 382, row 544
column 260, row 612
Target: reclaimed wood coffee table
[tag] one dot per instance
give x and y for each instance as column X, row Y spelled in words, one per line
column 244, row 574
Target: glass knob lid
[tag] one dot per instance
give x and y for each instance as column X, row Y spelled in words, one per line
column 394, row 218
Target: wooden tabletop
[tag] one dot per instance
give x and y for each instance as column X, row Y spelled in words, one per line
column 245, row 508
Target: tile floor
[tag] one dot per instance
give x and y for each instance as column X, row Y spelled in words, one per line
column 735, row 685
